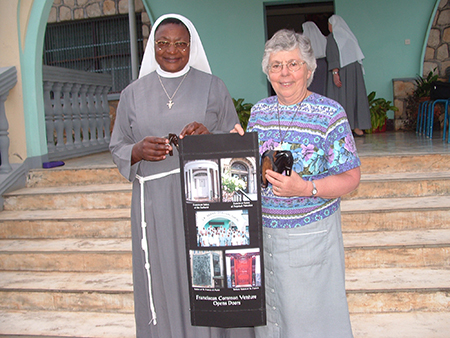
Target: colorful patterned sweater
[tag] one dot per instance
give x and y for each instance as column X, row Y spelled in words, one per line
column 317, row 133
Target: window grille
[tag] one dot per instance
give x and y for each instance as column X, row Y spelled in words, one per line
column 100, row 45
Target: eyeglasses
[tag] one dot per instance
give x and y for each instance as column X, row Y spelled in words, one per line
column 180, row 45
column 292, row 66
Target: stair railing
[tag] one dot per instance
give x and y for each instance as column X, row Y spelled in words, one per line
column 76, row 112
column 8, row 79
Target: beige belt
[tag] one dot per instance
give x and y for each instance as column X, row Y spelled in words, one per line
column 144, row 241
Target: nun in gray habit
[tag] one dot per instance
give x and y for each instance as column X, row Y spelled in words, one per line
column 175, row 93
column 345, row 82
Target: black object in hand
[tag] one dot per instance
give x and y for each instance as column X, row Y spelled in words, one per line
column 276, row 160
column 173, row 139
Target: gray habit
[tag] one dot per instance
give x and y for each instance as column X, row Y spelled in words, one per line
column 319, row 82
column 143, row 111
column 352, row 95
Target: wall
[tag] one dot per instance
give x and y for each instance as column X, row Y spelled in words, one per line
column 233, row 34
column 10, row 57
column 382, row 27
column 64, row 10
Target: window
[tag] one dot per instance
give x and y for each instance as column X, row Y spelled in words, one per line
column 100, row 45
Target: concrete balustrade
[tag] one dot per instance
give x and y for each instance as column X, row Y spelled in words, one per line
column 76, row 112
column 8, row 79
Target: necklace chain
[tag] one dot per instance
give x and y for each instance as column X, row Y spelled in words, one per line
column 290, row 124
column 171, row 103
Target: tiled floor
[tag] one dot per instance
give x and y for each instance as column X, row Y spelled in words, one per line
column 404, row 143
column 388, row 143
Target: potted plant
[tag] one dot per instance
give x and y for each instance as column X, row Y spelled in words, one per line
column 420, row 94
column 378, row 113
column 243, row 111
column 423, row 85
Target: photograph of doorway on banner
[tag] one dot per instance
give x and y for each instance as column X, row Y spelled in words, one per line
column 220, row 179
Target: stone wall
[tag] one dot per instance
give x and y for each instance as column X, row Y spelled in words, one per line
column 403, row 89
column 437, row 55
column 63, row 10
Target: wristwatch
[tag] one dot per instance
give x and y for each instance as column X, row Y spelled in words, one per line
column 314, row 191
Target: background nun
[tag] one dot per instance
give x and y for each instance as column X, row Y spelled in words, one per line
column 346, row 84
column 319, row 45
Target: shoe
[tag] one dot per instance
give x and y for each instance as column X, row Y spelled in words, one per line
column 357, row 135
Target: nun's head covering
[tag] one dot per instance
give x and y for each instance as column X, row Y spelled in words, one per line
column 318, row 40
column 349, row 49
column 197, row 56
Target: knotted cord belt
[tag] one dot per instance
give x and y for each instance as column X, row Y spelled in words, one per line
column 144, row 241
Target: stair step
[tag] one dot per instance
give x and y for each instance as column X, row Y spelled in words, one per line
column 413, row 248
column 432, row 212
column 105, row 292
column 119, row 325
column 77, row 223
column 397, row 204
column 402, row 185
column 398, row 239
column 100, row 196
column 65, row 176
column 418, row 163
column 401, row 325
column 66, row 324
column 67, row 255
column 398, row 290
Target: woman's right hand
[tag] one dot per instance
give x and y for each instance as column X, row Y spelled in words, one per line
column 237, row 129
column 151, row 148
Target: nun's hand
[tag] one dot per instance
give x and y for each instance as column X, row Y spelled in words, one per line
column 194, row 128
column 150, row 148
column 337, row 80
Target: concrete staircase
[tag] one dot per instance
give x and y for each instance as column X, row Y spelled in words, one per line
column 397, row 239
column 65, row 252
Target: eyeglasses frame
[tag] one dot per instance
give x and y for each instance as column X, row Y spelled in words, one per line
column 301, row 63
column 170, row 44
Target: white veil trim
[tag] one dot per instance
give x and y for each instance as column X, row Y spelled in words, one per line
column 197, row 56
column 318, row 40
column 349, row 49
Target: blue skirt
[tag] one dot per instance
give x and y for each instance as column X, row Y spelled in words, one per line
column 305, row 282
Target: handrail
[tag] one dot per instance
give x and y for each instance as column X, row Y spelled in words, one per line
column 8, row 79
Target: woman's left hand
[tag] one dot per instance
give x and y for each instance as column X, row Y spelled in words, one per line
column 194, row 128
column 287, row 186
column 238, row 129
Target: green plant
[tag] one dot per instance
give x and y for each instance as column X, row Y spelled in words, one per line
column 378, row 111
column 243, row 111
column 423, row 84
column 420, row 93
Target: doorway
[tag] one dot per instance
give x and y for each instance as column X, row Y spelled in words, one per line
column 293, row 15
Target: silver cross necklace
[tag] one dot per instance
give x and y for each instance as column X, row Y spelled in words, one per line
column 171, row 103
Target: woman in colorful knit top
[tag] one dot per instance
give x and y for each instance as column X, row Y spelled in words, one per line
column 303, row 247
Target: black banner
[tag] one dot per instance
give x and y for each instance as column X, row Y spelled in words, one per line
column 222, row 218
